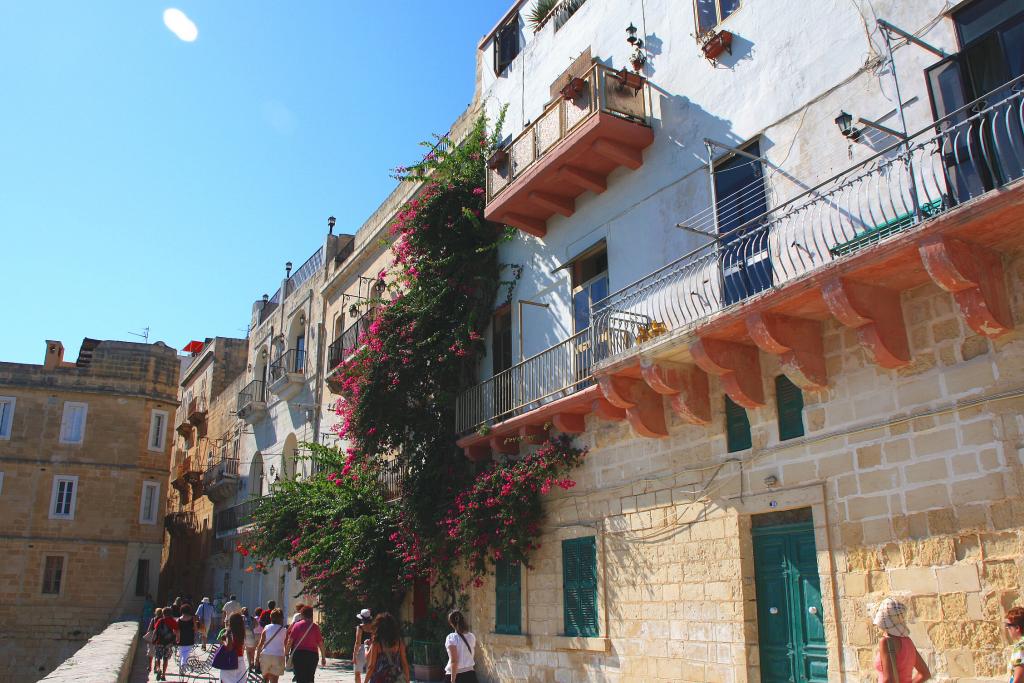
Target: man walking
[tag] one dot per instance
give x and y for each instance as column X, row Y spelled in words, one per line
column 265, row 616
column 230, row 607
column 204, row 620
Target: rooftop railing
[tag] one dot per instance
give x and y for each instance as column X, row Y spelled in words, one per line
column 305, row 271
column 603, row 90
column 964, row 155
column 271, row 305
column 551, row 374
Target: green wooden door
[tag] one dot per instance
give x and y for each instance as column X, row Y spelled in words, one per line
column 789, row 616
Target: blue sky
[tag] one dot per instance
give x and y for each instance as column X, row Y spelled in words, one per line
column 149, row 181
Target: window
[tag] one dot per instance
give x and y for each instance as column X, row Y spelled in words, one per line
column 739, row 200
column 157, row 430
column 53, row 574
column 711, row 13
column 501, row 340
column 72, row 424
column 6, row 416
column 737, row 427
column 63, row 496
column 506, row 45
column 507, row 597
column 579, row 586
column 150, row 500
column 589, row 284
column 790, row 405
column 142, row 578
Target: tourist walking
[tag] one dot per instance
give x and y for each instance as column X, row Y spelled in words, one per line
column 148, row 607
column 304, row 641
column 165, row 636
column 186, row 635
column 234, row 641
column 461, row 645
column 250, row 636
column 230, row 607
column 1014, row 625
column 270, row 648
column 204, row 621
column 897, row 660
column 176, row 607
column 298, row 613
column 386, row 662
column 150, row 637
column 364, row 629
column 265, row 617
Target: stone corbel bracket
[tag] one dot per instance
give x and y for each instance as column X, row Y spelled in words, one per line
column 685, row 386
column 644, row 409
column 737, row 366
column 877, row 316
column 797, row 341
column 974, row 275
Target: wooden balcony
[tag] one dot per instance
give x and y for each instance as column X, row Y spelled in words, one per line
column 572, row 147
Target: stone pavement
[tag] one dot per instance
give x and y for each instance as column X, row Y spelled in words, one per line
column 334, row 672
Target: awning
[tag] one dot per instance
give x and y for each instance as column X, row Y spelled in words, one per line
column 193, row 347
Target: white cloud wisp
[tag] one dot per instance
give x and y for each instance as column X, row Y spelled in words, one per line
column 178, row 23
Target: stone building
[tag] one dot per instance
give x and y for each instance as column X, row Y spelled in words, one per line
column 84, row 452
column 204, row 468
column 788, row 336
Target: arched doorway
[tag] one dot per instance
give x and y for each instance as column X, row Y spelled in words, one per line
column 256, row 475
column 288, row 453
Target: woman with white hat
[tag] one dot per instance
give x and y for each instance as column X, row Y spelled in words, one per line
column 898, row 660
column 364, row 628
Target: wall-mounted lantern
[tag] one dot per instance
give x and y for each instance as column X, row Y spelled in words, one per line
column 845, row 123
column 637, row 59
column 330, row 225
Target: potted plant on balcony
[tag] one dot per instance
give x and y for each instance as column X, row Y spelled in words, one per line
column 573, row 89
column 714, row 43
column 629, row 79
column 498, row 159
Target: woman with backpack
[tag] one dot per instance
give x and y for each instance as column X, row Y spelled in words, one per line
column 270, row 649
column 460, row 645
column 166, row 635
column 898, row 660
column 387, row 662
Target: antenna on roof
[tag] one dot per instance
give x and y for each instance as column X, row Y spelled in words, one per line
column 144, row 334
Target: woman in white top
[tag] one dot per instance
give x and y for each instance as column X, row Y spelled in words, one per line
column 270, row 649
column 460, row 645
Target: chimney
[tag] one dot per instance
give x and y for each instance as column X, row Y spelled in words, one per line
column 54, row 355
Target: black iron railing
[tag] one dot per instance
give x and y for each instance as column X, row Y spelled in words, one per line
column 231, row 519
column 252, row 393
column 305, row 271
column 292, row 361
column 219, row 471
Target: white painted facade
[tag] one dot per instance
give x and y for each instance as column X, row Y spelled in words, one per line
column 793, row 68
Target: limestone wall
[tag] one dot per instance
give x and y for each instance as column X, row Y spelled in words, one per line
column 106, row 658
column 913, row 478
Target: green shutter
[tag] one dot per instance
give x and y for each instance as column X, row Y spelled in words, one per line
column 507, row 596
column 737, row 427
column 790, row 403
column 579, row 586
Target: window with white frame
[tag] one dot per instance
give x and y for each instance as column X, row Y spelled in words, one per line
column 6, row 416
column 150, row 499
column 157, row 430
column 53, row 574
column 72, row 425
column 710, row 13
column 63, row 497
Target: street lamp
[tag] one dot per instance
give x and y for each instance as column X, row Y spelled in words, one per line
column 845, row 123
column 330, row 225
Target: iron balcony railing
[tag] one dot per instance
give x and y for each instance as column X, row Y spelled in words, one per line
column 560, row 13
column 391, row 477
column 962, row 156
column 252, row 393
column 292, row 361
column 551, row 374
column 603, row 90
column 345, row 346
column 230, row 520
column 305, row 271
column 219, row 471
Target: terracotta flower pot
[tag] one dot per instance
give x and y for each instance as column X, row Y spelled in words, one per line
column 497, row 160
column 573, row 89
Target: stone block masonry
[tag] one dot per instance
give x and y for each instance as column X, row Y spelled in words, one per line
column 106, row 658
column 912, row 480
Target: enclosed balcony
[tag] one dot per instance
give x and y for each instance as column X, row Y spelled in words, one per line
column 220, row 480
column 287, row 374
column 252, row 402
column 230, row 521
column 599, row 124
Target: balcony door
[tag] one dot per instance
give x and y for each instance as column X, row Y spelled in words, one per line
column 988, row 152
column 589, row 285
column 739, row 200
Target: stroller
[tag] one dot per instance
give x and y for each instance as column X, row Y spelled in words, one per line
column 200, row 665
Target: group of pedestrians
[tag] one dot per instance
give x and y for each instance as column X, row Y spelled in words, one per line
column 378, row 652
column 259, row 642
